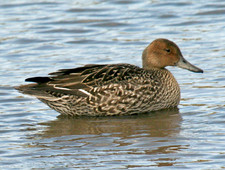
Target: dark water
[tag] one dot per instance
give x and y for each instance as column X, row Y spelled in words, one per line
column 38, row 37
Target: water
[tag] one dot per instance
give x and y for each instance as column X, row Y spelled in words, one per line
column 38, row 37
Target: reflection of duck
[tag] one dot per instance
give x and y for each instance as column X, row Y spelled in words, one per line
column 157, row 124
column 88, row 142
column 115, row 89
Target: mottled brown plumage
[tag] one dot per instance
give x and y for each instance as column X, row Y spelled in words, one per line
column 114, row 89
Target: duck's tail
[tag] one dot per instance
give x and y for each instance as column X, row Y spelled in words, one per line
column 31, row 89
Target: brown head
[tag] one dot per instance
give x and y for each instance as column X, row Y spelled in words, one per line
column 162, row 52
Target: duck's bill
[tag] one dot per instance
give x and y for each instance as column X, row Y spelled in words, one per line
column 186, row 65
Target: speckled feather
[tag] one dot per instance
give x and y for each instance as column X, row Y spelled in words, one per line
column 116, row 89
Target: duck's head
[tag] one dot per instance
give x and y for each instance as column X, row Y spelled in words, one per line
column 162, row 52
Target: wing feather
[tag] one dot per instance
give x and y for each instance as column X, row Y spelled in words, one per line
column 79, row 81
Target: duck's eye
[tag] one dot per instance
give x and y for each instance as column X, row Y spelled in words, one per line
column 167, row 50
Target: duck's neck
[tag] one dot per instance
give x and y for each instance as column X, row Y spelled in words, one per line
column 145, row 63
column 153, row 68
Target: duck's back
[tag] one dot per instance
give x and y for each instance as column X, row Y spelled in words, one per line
column 115, row 89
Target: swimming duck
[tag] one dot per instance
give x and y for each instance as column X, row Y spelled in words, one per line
column 114, row 89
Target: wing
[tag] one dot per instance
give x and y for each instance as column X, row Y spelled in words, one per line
column 78, row 81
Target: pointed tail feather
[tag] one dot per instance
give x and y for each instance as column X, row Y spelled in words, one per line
column 31, row 90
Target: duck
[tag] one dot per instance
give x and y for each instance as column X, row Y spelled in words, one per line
column 114, row 89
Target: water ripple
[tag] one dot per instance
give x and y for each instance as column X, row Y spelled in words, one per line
column 40, row 37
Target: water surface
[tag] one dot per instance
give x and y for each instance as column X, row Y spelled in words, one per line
column 38, row 37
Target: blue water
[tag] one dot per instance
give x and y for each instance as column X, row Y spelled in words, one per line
column 41, row 36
